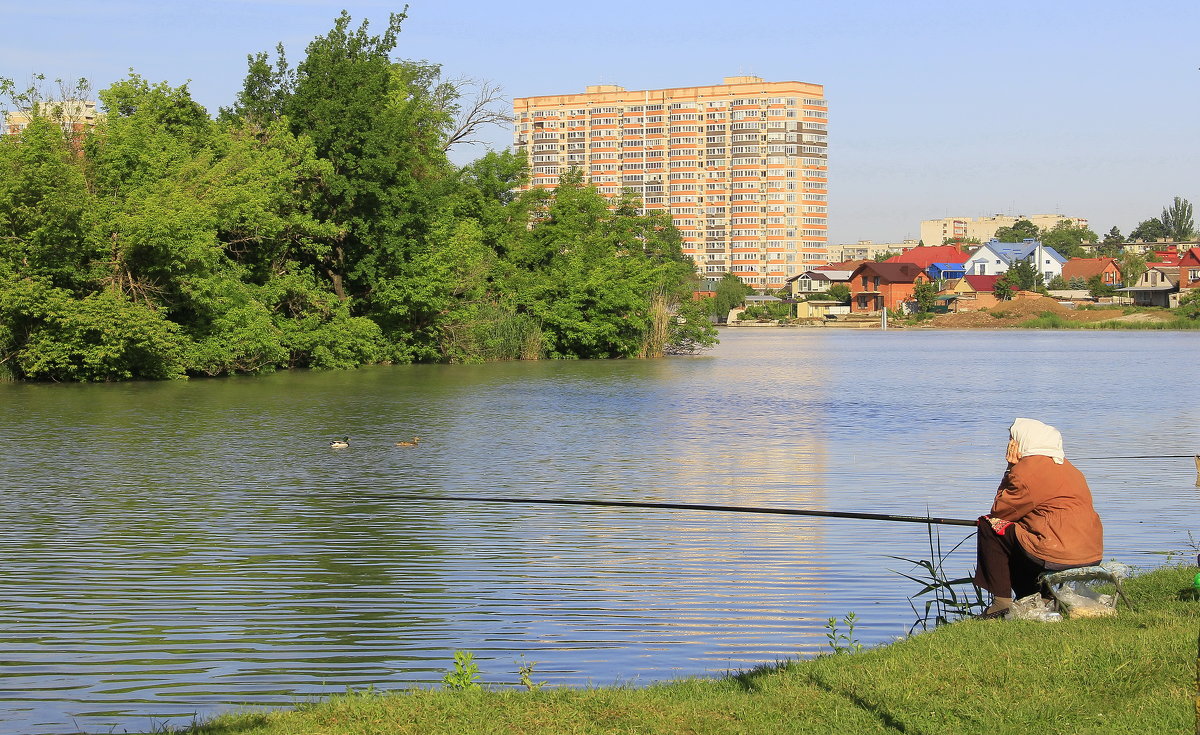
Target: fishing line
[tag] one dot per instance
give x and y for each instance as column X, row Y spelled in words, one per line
column 691, row 506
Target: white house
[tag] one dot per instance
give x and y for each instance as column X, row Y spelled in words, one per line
column 994, row 258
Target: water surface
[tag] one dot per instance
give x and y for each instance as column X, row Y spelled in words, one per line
column 175, row 549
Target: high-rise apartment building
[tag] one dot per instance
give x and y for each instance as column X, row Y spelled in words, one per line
column 741, row 167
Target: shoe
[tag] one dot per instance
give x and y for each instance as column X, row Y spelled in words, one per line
column 994, row 614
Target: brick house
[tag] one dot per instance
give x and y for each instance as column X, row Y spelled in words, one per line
column 1189, row 270
column 1085, row 268
column 875, row 286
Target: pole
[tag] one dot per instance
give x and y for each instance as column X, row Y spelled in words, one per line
column 691, row 506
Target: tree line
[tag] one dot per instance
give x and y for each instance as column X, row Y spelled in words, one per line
column 315, row 222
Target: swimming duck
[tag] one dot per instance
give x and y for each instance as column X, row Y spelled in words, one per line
column 413, row 443
column 340, row 443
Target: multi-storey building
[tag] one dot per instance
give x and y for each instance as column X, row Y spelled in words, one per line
column 982, row 229
column 741, row 166
column 75, row 116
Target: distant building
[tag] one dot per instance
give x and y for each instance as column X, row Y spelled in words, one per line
column 740, row 166
column 937, row 231
column 867, row 250
column 75, row 116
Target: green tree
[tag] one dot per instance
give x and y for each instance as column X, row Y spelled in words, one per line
column 1020, row 230
column 1132, row 267
column 1189, row 304
column 1005, row 286
column 1067, row 238
column 1097, row 288
column 880, row 257
column 838, row 292
column 1149, row 231
column 1177, row 220
column 731, row 293
column 1057, row 283
column 925, row 294
column 1025, row 276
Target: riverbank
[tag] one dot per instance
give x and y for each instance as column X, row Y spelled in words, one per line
column 1130, row 674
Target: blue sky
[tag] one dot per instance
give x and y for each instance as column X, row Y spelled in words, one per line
column 936, row 108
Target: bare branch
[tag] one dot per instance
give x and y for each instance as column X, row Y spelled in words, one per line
column 485, row 106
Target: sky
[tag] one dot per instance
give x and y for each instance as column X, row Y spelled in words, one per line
column 966, row 108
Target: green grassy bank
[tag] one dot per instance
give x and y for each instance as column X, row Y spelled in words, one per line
column 1132, row 674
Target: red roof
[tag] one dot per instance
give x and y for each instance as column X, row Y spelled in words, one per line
column 1085, row 268
column 926, row 256
column 983, row 284
column 1191, row 257
column 891, row 272
column 845, row 265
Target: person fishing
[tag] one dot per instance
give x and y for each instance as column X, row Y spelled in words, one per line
column 1041, row 520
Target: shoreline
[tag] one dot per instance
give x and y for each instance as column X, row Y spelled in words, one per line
column 1129, row 673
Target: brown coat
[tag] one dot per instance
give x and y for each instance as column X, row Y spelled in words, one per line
column 1051, row 508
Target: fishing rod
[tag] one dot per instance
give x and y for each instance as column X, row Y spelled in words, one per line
column 1149, row 456
column 692, row 506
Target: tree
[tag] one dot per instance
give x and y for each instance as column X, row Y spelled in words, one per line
column 1112, row 243
column 731, row 293
column 1148, row 231
column 1024, row 275
column 1057, row 283
column 1066, row 237
column 925, row 294
column 1132, row 267
column 1005, row 286
column 838, row 292
column 1020, row 230
column 1177, row 220
column 1097, row 288
column 1189, row 304
column 880, row 257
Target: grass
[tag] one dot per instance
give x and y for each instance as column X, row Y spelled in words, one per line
column 1129, row 674
column 1051, row 320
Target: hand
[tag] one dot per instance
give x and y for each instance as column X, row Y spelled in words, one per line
column 998, row 525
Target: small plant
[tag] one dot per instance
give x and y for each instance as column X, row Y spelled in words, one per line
column 465, row 672
column 952, row 599
column 842, row 642
column 525, row 671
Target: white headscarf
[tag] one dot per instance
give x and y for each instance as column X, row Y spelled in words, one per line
column 1034, row 437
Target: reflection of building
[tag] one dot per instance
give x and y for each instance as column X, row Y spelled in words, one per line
column 740, row 166
column 937, row 231
column 75, row 116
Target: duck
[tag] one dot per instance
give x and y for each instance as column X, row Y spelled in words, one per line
column 415, row 440
column 340, row 443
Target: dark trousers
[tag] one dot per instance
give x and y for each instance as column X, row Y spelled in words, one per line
column 1002, row 566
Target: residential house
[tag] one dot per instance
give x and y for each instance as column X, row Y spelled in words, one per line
column 1086, row 268
column 818, row 280
column 925, row 256
column 1189, row 270
column 876, row 286
column 1158, row 286
column 994, row 258
column 970, row 293
column 820, row 309
column 946, row 271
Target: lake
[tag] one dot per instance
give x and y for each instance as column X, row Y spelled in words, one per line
column 172, row 550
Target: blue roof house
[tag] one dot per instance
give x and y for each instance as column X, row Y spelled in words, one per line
column 994, row 257
column 946, row 271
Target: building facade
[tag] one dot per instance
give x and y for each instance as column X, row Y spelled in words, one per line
column 937, row 231
column 74, row 116
column 741, row 167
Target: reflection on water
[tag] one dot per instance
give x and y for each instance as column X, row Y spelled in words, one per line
column 172, row 549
